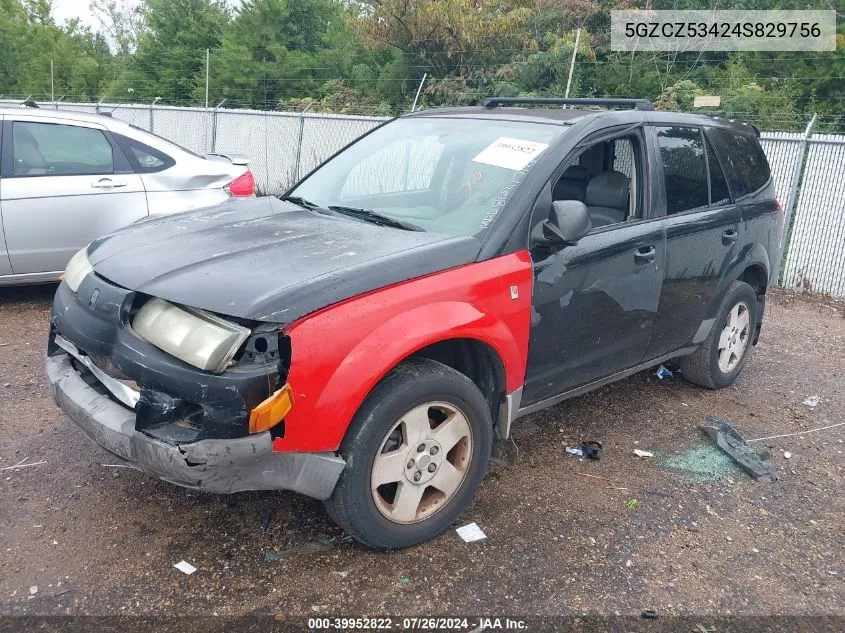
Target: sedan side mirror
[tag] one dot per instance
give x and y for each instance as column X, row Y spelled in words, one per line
column 569, row 222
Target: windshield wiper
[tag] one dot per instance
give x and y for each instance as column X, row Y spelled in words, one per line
column 302, row 202
column 368, row 215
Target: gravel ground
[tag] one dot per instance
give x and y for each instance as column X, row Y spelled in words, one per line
column 683, row 533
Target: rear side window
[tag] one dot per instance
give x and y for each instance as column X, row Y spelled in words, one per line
column 745, row 163
column 143, row 158
column 684, row 168
column 51, row 149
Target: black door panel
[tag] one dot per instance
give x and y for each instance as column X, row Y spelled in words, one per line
column 594, row 307
column 702, row 235
column 697, row 257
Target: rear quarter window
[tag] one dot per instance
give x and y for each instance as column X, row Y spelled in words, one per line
column 745, row 163
column 143, row 158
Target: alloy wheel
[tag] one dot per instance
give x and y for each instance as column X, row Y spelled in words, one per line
column 422, row 462
column 734, row 338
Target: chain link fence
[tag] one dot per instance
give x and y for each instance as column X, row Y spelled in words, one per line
column 284, row 146
column 814, row 257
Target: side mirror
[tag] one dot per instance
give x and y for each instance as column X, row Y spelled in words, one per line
column 569, row 222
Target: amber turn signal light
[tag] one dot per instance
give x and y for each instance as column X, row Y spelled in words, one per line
column 272, row 411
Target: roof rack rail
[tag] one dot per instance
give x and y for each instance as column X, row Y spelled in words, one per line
column 635, row 104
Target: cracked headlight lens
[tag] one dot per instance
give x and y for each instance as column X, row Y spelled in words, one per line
column 77, row 268
column 194, row 336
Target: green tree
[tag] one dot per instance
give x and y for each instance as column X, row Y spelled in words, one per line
column 39, row 11
column 13, row 25
column 267, row 51
column 170, row 58
column 30, row 39
column 450, row 37
column 121, row 22
column 369, row 56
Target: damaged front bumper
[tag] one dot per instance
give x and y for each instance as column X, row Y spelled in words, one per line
column 164, row 417
column 230, row 465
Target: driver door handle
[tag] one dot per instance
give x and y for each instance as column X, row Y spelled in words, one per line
column 730, row 236
column 108, row 183
column 644, row 254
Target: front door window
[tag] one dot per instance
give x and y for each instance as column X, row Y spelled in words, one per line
column 49, row 149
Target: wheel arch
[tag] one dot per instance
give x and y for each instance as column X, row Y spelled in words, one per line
column 752, row 269
column 751, row 265
column 474, row 358
column 462, row 340
column 756, row 276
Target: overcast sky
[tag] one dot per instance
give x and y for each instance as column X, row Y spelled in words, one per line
column 64, row 10
column 68, row 9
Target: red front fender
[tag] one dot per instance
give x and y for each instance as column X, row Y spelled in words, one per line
column 341, row 352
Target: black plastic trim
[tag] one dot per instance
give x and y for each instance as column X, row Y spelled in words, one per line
column 636, row 104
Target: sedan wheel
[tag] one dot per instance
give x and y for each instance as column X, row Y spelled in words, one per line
column 422, row 462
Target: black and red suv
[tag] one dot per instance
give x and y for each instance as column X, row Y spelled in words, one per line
column 367, row 337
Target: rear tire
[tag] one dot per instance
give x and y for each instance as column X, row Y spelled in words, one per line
column 721, row 356
column 415, row 453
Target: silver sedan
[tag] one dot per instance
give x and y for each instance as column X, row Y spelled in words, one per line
column 69, row 177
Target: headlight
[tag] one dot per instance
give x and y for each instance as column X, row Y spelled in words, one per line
column 77, row 268
column 198, row 338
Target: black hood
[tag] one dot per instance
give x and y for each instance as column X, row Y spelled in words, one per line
column 268, row 260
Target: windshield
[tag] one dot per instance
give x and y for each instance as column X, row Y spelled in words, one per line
column 443, row 175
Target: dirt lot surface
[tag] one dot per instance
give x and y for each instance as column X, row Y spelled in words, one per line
column 683, row 532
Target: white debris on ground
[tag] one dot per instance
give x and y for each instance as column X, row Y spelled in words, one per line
column 470, row 533
column 185, row 567
column 812, row 401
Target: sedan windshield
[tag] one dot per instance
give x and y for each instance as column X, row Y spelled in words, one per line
column 445, row 175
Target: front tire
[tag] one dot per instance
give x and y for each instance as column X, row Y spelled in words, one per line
column 415, row 453
column 721, row 356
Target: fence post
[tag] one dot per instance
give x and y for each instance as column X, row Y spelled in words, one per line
column 156, row 100
column 572, row 63
column 419, row 89
column 207, row 70
column 791, row 197
column 214, row 126
column 299, row 143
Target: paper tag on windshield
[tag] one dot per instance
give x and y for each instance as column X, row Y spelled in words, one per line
column 510, row 153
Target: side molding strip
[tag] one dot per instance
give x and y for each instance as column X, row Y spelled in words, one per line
column 542, row 404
